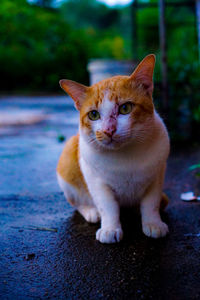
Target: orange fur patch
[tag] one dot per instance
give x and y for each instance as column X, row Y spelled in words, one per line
column 68, row 165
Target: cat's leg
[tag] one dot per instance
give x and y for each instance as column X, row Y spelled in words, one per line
column 90, row 213
column 111, row 230
column 79, row 199
column 106, row 204
column 152, row 224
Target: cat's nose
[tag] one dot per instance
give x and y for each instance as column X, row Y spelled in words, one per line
column 109, row 131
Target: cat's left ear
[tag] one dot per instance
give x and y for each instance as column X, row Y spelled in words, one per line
column 143, row 74
column 76, row 90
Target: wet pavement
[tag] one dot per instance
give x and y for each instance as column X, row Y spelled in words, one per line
column 48, row 251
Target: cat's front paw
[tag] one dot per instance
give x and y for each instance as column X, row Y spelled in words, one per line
column 109, row 235
column 155, row 229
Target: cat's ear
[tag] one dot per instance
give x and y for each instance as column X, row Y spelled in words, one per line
column 143, row 74
column 76, row 90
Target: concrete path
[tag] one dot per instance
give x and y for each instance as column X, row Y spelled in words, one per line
column 47, row 250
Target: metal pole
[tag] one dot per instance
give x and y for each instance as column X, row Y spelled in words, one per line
column 163, row 50
column 134, row 30
column 198, row 24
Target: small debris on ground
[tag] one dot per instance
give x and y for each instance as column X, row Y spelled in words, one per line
column 36, row 228
column 42, row 228
column 61, row 138
column 192, row 234
column 189, row 196
column 30, row 256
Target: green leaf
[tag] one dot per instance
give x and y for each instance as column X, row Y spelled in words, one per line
column 193, row 167
column 61, row 138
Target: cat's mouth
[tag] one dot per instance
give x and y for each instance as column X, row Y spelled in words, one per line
column 108, row 140
column 114, row 142
column 110, row 143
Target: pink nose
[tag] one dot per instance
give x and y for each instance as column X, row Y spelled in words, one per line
column 109, row 131
column 110, row 126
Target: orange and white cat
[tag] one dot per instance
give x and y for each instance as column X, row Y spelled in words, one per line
column 118, row 158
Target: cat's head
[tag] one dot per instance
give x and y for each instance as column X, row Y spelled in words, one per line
column 116, row 111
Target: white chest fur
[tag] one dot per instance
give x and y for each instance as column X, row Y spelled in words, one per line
column 128, row 172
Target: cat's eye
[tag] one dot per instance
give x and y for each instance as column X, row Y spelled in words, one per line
column 125, row 108
column 94, row 115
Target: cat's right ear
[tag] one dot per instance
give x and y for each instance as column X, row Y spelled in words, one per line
column 143, row 74
column 76, row 90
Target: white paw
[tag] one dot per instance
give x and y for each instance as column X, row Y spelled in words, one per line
column 91, row 215
column 155, row 229
column 109, row 235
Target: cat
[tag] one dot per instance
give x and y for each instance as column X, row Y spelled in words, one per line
column 119, row 156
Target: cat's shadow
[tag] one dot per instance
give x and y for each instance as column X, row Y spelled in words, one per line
column 109, row 268
column 130, row 220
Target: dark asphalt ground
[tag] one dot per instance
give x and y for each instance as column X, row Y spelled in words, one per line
column 64, row 261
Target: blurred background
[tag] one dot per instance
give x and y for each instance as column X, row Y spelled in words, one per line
column 42, row 41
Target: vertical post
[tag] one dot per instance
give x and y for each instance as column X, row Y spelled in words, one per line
column 134, row 30
column 163, row 50
column 198, row 24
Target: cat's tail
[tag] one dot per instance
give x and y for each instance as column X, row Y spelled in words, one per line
column 164, row 201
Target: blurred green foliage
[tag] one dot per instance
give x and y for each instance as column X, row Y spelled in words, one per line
column 195, row 167
column 183, row 62
column 40, row 45
column 108, row 29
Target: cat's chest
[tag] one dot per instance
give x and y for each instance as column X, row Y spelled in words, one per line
column 128, row 178
column 128, row 185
